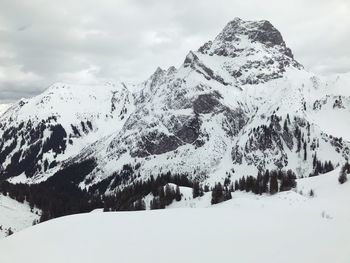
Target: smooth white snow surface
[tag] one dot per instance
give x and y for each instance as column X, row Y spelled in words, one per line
column 286, row 227
column 4, row 107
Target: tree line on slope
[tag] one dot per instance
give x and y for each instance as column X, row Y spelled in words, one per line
column 60, row 195
column 130, row 197
column 270, row 182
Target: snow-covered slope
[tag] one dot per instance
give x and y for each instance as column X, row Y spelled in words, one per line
column 15, row 215
column 4, row 107
column 286, row 227
column 38, row 133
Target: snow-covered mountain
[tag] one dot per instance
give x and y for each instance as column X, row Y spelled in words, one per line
column 39, row 133
column 240, row 104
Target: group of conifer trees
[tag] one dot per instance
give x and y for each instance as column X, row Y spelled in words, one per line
column 220, row 193
column 164, row 188
column 270, row 182
column 51, row 199
column 320, row 167
column 165, row 196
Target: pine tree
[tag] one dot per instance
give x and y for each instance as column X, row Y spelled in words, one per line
column 329, row 167
column 287, row 181
column 9, row 231
column 314, row 162
column 169, row 194
column 217, row 195
column 197, row 190
column 259, row 183
column 177, row 194
column 266, row 180
column 242, row 184
column 236, row 185
column 161, row 192
column 227, row 181
column 285, row 125
column 343, row 175
column 311, row 193
column 291, row 176
column 227, row 194
column 249, row 184
column 299, row 145
column 273, row 183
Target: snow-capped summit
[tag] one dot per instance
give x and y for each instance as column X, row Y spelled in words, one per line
column 250, row 51
column 238, row 30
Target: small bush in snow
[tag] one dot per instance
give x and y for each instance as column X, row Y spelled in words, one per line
column 9, row 231
column 343, row 173
column 311, row 193
column 342, row 178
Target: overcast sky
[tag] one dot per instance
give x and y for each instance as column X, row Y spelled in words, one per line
column 42, row 42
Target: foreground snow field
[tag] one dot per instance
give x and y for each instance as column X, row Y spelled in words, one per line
column 286, row 227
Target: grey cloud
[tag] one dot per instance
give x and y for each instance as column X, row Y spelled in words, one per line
column 11, row 91
column 128, row 39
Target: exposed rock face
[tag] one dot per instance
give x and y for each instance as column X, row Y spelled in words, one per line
column 241, row 102
column 205, row 103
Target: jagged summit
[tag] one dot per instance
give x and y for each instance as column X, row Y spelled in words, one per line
column 251, row 52
column 239, row 34
column 256, row 31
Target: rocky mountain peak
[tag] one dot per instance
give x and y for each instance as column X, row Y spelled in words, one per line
column 156, row 77
column 171, row 70
column 239, row 35
column 251, row 52
column 262, row 31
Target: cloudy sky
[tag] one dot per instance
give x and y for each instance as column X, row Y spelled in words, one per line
column 85, row 41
